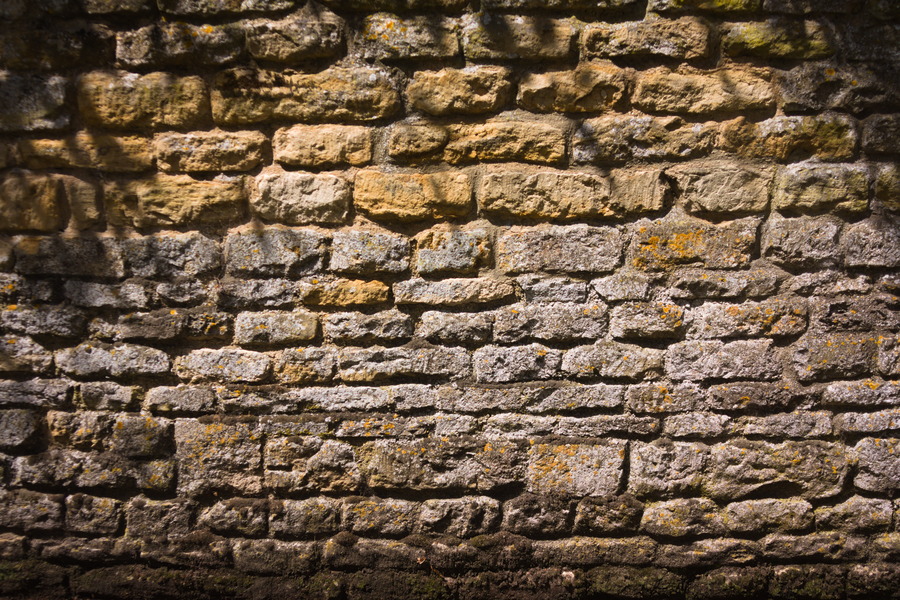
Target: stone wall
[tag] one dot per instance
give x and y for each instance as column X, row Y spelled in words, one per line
column 433, row 299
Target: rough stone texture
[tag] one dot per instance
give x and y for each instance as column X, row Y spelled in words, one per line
column 436, row 299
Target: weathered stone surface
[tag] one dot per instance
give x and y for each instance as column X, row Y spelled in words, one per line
column 664, row 397
column 177, row 44
column 714, row 6
column 471, row 90
column 701, row 93
column 411, row 141
column 169, row 254
column 92, row 359
column 701, row 360
column 812, row 186
column 304, row 35
column 100, row 295
column 550, row 322
column 618, row 138
column 120, row 100
column 879, row 464
column 32, row 102
column 855, row 514
column 412, row 196
column 41, row 320
column 613, row 360
column 872, row 243
column 20, row 430
column 683, row 517
column 102, row 7
column 691, row 283
column 777, row 38
column 455, row 328
column 499, row 364
column 721, row 188
column 588, row 88
column 378, row 364
column 93, row 150
column 210, row 151
column 31, row 511
column 360, row 328
column 685, row 38
column 802, row 242
column 323, row 145
column 208, row 7
column 665, row 468
column 768, row 515
column 495, row 36
column 878, row 131
column 575, row 469
column 300, row 198
column 555, row 249
column 274, row 252
column 696, row 425
column 223, row 365
column 811, row 469
column 342, row 292
column 442, row 251
column 217, row 456
column 662, row 244
column 537, row 288
column 816, row 86
column 364, row 252
column 503, row 139
column 646, row 320
column 834, row 356
column 180, row 399
column 770, row 318
column 453, row 292
column 828, row 137
column 31, row 201
column 387, row 36
column 242, row 96
column 92, row 514
column 274, row 327
column 89, row 470
column 167, row 200
column 869, row 393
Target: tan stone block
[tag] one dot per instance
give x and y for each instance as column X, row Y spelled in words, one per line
column 470, row 90
column 412, row 196
column 497, row 36
column 777, row 38
column 311, row 33
column 684, row 38
column 241, row 96
column 121, row 100
column 716, row 6
column 814, row 186
column 702, row 92
column 828, row 137
column 323, row 145
column 387, row 36
column 529, row 141
column 333, row 291
column 887, row 186
column 544, row 194
column 166, row 200
column 209, row 150
column 83, row 198
column 637, row 191
column 300, row 198
column 89, row 150
column 625, row 137
column 722, row 187
column 30, row 201
column 413, row 140
column 587, row 88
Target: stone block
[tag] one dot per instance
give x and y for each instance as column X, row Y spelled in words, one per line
column 378, row 364
column 684, row 38
column 471, row 90
column 702, row 93
column 362, row 252
column 646, row 320
column 672, row 241
column 33, row 102
column 575, row 470
column 814, row 187
column 93, row 515
column 701, row 360
column 550, row 322
column 588, row 88
column 218, row 455
column 361, row 328
column 320, row 146
column 224, row 365
column 171, row 44
column 722, row 188
column 21, row 430
column 504, row 364
column 274, row 252
column 827, row 137
column 507, row 140
column 509, row 37
column 342, row 292
column 683, row 517
column 305, row 35
column 275, row 327
column 879, row 464
column 89, row 150
column 386, row 36
column 613, row 360
column 300, row 198
column 777, row 38
column 454, row 329
column 620, row 138
column 31, row 201
column 555, row 249
column 92, row 359
column 453, row 292
column 204, row 151
column 412, row 196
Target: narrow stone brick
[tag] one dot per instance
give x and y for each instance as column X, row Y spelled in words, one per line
column 665, row 243
column 209, row 151
column 386, row 36
column 244, row 96
column 103, row 7
column 802, row 242
column 771, row 318
column 379, row 364
column 178, row 44
column 537, row 288
column 613, row 360
column 171, row 254
column 683, row 517
column 828, row 137
column 238, row 516
column 502, row 364
column 167, row 200
column 69, row 256
column 366, row 252
column 566, row 249
column 619, row 138
column 664, row 397
column 121, row 100
column 495, row 36
column 855, row 514
column 701, row 360
column 274, row 252
column 451, row 251
column 550, row 322
column 225, row 365
column 544, row 194
column 819, row 86
column 33, row 102
column 360, row 328
column 180, row 399
column 453, row 292
column 463, row 518
column 412, row 196
column 275, row 327
column 31, row 511
column 868, row 393
column 410, row 141
column 813, row 186
column 647, row 320
column 455, row 329
column 92, row 359
column 588, row 88
column 203, row 7
column 93, row 514
column 701, row 93
column 777, row 38
column 300, row 198
column 715, row 6
column 323, row 145
column 93, row 471
column 328, row 291
column 305, row 366
column 59, row 321
column 301, row 36
column 576, row 469
column 500, row 140
column 722, row 188
column 30, row 201
column 768, row 515
column 471, row 90
column 89, row 150
column 834, row 356
column 100, row 295
column 684, row 38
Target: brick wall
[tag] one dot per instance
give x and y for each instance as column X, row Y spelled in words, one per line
column 438, row 299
